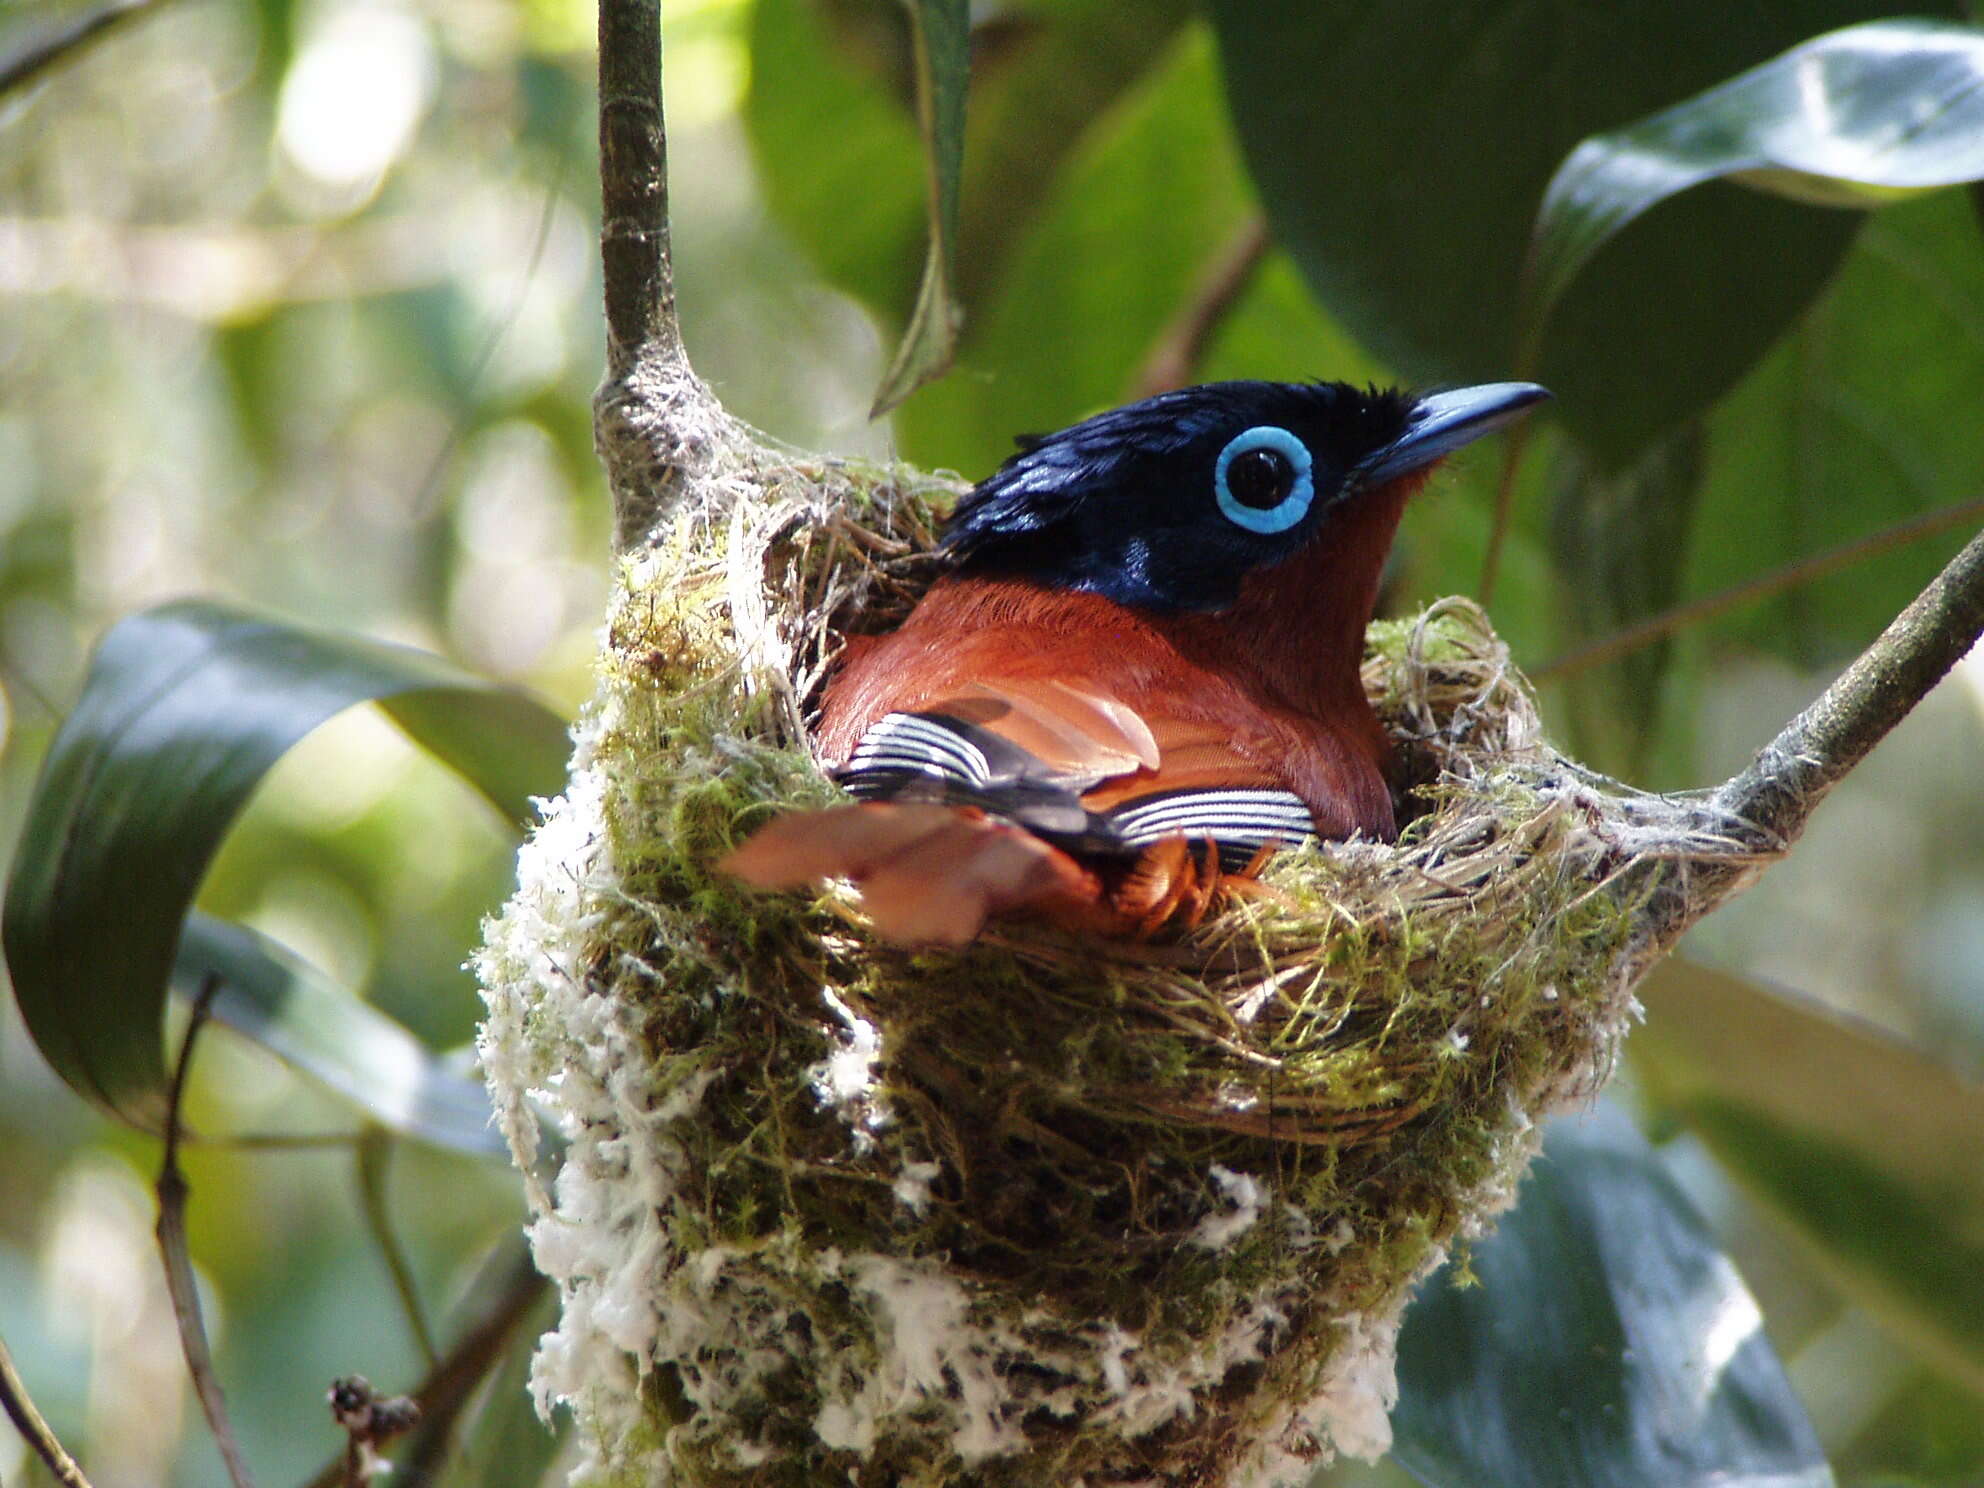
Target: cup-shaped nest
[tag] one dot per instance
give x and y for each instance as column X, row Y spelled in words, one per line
column 1047, row 1210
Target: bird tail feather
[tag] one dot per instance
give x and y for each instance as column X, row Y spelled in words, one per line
column 928, row 875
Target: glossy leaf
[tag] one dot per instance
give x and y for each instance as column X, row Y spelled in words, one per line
column 1400, row 147
column 275, row 998
column 1857, row 118
column 1043, row 76
column 941, row 44
column 1867, row 1147
column 183, row 711
column 1609, row 1343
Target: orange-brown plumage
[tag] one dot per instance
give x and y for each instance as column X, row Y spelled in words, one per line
column 1115, row 704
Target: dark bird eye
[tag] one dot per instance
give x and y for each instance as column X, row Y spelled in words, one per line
column 1262, row 480
column 1259, row 478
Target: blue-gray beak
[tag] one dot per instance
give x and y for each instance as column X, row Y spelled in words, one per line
column 1443, row 422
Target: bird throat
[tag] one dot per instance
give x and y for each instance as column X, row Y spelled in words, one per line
column 1299, row 625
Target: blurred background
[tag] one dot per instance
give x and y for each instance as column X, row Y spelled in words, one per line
column 298, row 308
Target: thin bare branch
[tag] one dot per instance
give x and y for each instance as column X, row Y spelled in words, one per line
column 35, row 1431
column 179, row 1281
column 1790, row 776
column 641, row 409
column 633, row 175
column 1764, row 586
column 1180, row 348
column 66, row 41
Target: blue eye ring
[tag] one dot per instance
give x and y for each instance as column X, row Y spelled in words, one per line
column 1285, row 513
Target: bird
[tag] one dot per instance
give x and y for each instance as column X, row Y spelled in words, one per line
column 1139, row 674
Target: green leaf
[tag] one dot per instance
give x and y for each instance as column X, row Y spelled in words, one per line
column 1858, row 118
column 941, row 40
column 1153, row 193
column 827, row 138
column 1043, row 74
column 1848, row 427
column 272, row 996
column 831, row 121
column 1867, row 1147
column 1609, row 1344
column 184, row 709
column 1400, row 147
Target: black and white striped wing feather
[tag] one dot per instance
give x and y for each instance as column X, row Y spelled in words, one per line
column 934, row 758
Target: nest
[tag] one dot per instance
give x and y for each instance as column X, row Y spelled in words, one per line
column 1047, row 1210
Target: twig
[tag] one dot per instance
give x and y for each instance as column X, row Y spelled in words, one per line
column 1792, row 774
column 65, row 41
column 1763, row 586
column 1175, row 357
column 172, row 1192
column 641, row 413
column 448, row 1386
column 375, row 1153
column 35, row 1431
column 633, row 178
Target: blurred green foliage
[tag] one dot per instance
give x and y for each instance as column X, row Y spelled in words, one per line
column 300, row 309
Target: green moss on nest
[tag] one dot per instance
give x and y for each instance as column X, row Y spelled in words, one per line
column 1168, row 1197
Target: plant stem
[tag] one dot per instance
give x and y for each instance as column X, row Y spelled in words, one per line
column 179, row 1281
column 375, row 1155
column 633, row 180
column 65, row 41
column 1513, row 443
column 650, row 415
column 1776, row 795
column 35, row 1431
column 508, row 1289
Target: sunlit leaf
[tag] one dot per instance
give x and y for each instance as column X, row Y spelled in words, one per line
column 826, row 136
column 1858, row 118
column 1869, row 1148
column 183, row 711
column 1610, row 1342
column 272, row 996
column 831, row 120
column 1151, row 195
column 941, row 43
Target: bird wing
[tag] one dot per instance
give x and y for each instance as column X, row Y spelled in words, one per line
column 1030, row 794
column 1084, row 772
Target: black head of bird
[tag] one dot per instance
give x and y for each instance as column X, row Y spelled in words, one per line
column 1168, row 503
